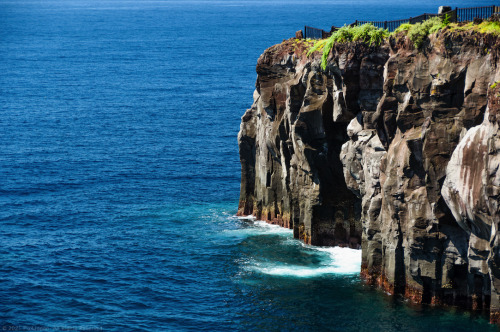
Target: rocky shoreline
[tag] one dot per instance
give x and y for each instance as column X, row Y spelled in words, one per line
column 390, row 149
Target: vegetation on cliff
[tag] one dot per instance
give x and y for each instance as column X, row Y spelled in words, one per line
column 366, row 33
column 417, row 33
column 392, row 149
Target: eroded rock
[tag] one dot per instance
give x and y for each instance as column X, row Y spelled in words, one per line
column 390, row 148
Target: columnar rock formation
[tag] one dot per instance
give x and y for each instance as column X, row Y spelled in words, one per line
column 471, row 190
column 390, row 148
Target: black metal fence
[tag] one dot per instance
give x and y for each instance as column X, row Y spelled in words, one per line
column 456, row 15
column 469, row 14
column 313, row 33
column 392, row 25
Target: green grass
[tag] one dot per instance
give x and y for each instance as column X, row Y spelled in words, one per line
column 489, row 27
column 403, row 28
column 366, row 33
column 318, row 46
column 417, row 33
column 486, row 27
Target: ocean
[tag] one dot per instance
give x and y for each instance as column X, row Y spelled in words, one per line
column 119, row 175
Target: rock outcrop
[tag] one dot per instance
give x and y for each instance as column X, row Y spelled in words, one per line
column 472, row 190
column 389, row 148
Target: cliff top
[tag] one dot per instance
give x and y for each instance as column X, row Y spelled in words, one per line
column 482, row 33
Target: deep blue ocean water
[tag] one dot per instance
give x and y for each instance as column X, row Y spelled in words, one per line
column 119, row 175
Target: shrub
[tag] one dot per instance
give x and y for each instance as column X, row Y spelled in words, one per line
column 446, row 20
column 377, row 36
column 326, row 50
column 403, row 28
column 317, row 46
column 419, row 32
column 491, row 27
column 366, row 33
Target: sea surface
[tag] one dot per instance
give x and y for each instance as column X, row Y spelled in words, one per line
column 119, row 175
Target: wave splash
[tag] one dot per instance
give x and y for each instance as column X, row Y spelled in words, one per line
column 258, row 227
column 335, row 260
column 287, row 263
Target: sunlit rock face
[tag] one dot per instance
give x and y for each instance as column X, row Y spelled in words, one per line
column 471, row 190
column 389, row 148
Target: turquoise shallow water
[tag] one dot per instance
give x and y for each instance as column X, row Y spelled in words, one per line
column 120, row 175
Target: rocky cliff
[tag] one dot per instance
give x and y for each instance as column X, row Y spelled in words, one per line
column 391, row 149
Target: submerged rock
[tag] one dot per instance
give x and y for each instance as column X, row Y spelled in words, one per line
column 389, row 148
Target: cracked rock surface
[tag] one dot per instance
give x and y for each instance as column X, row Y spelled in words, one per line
column 389, row 149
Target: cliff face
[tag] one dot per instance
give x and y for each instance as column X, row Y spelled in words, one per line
column 390, row 148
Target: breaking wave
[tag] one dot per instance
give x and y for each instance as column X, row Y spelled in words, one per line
column 257, row 227
column 335, row 260
column 320, row 261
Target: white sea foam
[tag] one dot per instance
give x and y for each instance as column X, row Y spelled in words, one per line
column 259, row 227
column 249, row 217
column 346, row 260
column 333, row 260
column 340, row 261
column 298, row 271
column 264, row 226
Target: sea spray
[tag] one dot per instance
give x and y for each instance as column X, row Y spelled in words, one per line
column 334, row 260
column 295, row 259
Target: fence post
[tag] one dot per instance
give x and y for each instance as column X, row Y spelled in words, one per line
column 468, row 13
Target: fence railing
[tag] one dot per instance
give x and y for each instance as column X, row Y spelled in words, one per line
column 392, row 25
column 456, row 15
column 469, row 14
column 314, row 33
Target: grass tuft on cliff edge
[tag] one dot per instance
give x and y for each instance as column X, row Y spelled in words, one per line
column 366, row 33
column 487, row 27
column 417, row 33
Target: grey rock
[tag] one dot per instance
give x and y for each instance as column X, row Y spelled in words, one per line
column 390, row 149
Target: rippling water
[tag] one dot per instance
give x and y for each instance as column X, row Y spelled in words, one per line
column 119, row 175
